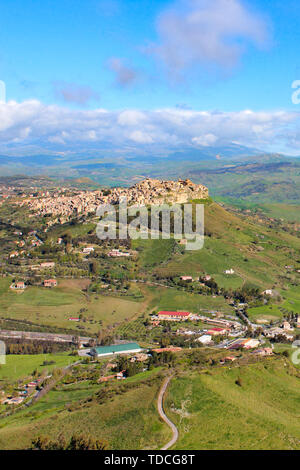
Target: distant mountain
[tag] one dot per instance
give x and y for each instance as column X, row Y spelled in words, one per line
column 232, row 171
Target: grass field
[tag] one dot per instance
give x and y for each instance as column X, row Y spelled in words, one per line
column 212, row 412
column 20, row 366
column 153, row 252
column 53, row 307
column 128, row 420
column 172, row 299
column 265, row 312
column 291, row 299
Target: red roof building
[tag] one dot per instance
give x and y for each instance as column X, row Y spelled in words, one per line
column 173, row 316
column 50, row 283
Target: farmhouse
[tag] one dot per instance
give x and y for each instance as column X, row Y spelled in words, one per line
column 268, row 292
column 116, row 349
column 173, row 316
column 186, row 278
column 286, row 326
column 88, row 250
column 263, row 352
column 118, row 376
column 50, row 283
column 118, row 254
column 49, row 264
column 218, row 331
column 18, row 285
column 13, row 401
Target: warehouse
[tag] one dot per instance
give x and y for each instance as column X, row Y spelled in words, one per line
column 115, row 349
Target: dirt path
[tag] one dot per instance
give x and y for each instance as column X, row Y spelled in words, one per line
column 163, row 415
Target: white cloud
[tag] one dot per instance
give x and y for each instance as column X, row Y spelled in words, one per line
column 33, row 123
column 131, row 118
column 207, row 32
column 141, row 137
column 205, row 140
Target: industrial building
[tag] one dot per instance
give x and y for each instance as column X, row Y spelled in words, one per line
column 116, row 349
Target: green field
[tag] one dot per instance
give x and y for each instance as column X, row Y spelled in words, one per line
column 291, row 299
column 265, row 312
column 128, row 420
column 173, row 299
column 212, row 412
column 53, row 307
column 18, row 367
column 153, row 252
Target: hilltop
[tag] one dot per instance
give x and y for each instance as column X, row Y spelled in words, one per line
column 147, row 192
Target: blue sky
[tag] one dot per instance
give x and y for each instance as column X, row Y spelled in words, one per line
column 203, row 55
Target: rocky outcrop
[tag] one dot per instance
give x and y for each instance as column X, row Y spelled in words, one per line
column 152, row 191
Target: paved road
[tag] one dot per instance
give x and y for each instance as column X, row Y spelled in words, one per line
column 163, row 415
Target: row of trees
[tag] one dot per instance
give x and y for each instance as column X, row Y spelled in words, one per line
column 76, row 442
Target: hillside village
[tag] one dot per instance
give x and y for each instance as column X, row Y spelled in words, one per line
column 147, row 192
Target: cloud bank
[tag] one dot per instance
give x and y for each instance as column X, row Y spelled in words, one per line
column 207, row 33
column 32, row 122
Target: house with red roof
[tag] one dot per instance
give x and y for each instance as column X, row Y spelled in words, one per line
column 173, row 316
column 50, row 283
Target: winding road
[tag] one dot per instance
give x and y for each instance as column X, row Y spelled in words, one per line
column 163, row 415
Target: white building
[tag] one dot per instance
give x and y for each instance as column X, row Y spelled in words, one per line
column 205, row 339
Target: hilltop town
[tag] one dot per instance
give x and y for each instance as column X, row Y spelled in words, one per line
column 149, row 191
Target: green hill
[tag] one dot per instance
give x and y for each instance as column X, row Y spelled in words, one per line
column 257, row 252
column 213, row 412
column 245, row 406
